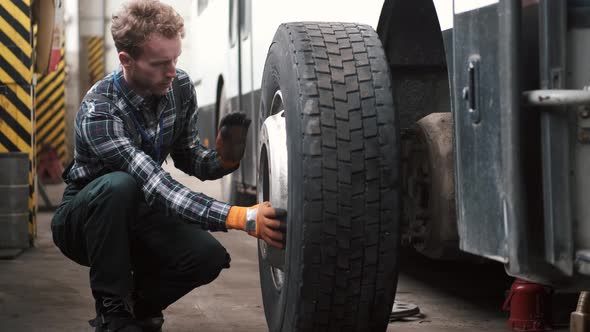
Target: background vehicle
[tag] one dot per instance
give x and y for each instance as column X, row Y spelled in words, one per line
column 430, row 142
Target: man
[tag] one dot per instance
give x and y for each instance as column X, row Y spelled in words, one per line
column 144, row 235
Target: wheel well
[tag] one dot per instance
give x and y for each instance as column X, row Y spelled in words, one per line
column 415, row 48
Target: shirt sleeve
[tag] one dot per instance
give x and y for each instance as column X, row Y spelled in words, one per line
column 107, row 138
column 187, row 152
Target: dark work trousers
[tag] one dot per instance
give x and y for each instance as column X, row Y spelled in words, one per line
column 132, row 247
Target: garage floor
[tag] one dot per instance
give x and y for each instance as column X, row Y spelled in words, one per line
column 41, row 290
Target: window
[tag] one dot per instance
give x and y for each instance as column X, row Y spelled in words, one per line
column 243, row 8
column 201, row 6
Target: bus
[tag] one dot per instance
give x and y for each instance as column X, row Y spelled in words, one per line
column 450, row 126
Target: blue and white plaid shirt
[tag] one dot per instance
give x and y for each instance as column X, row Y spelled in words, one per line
column 107, row 140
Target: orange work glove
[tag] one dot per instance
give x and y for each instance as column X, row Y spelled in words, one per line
column 261, row 221
column 231, row 139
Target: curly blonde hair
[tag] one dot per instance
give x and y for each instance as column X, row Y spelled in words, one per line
column 133, row 24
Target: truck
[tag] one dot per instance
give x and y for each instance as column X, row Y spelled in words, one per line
column 456, row 127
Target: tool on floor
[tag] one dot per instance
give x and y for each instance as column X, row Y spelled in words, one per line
column 580, row 319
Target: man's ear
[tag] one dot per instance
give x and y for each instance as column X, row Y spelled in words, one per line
column 125, row 59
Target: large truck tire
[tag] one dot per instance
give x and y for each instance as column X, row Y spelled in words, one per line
column 329, row 153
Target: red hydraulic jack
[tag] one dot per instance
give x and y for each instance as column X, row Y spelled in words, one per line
column 530, row 306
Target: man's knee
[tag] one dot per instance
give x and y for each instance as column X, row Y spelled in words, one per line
column 117, row 187
column 113, row 202
column 124, row 185
column 217, row 258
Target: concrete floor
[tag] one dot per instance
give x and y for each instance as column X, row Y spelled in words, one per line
column 41, row 290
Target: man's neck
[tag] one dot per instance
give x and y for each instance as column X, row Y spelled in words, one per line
column 141, row 92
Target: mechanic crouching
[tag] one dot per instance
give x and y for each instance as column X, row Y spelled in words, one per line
column 145, row 236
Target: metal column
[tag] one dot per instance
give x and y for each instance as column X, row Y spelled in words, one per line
column 16, row 90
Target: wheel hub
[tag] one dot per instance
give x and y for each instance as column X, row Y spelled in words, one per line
column 273, row 178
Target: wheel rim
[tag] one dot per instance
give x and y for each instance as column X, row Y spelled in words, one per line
column 273, row 179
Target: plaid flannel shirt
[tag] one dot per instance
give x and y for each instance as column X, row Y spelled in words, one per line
column 107, row 139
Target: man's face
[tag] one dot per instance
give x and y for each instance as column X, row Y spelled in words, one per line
column 153, row 71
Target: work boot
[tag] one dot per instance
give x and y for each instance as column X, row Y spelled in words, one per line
column 113, row 314
column 151, row 324
column 148, row 317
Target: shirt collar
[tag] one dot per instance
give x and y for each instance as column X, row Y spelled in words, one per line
column 126, row 91
column 135, row 99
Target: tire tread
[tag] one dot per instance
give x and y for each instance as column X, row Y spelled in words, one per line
column 349, row 269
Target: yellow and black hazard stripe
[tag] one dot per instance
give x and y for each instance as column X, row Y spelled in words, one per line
column 50, row 111
column 15, row 76
column 16, row 91
column 95, row 47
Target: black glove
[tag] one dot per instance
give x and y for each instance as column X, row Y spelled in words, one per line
column 231, row 139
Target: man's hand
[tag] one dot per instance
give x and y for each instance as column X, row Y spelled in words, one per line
column 261, row 221
column 231, row 139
